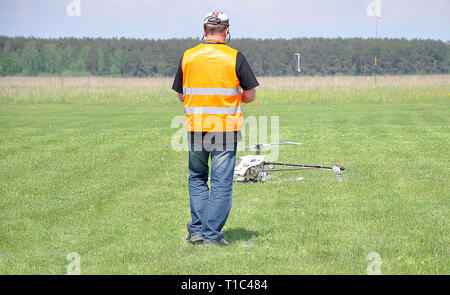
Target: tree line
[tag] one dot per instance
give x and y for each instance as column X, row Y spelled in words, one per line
column 267, row 57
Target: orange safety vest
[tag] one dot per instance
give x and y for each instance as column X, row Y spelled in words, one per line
column 211, row 88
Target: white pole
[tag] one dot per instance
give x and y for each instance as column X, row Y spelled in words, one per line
column 298, row 62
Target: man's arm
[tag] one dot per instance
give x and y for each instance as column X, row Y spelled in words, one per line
column 178, row 82
column 181, row 97
column 248, row 95
column 246, row 78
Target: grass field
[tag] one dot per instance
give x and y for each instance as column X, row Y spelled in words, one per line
column 86, row 166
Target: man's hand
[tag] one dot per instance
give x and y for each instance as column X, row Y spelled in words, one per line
column 248, row 95
column 181, row 97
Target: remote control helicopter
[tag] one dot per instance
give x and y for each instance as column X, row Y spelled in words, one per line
column 254, row 168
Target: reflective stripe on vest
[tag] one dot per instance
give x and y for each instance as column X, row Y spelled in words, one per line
column 211, row 91
column 213, row 110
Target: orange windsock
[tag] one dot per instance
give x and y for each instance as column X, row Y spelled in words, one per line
column 378, row 14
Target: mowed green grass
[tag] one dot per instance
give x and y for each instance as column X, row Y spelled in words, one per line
column 87, row 166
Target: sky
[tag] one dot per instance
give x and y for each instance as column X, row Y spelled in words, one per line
column 163, row 19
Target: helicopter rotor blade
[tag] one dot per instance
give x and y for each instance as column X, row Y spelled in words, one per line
column 259, row 145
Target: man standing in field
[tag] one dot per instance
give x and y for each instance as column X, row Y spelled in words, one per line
column 209, row 81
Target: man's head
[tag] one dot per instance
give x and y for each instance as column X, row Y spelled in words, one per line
column 216, row 25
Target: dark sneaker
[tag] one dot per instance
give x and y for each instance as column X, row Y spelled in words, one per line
column 220, row 242
column 195, row 238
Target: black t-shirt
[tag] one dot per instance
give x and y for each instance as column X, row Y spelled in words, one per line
column 247, row 81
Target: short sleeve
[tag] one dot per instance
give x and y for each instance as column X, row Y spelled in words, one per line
column 178, row 80
column 244, row 73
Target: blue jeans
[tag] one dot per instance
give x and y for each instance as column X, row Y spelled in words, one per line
column 210, row 208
